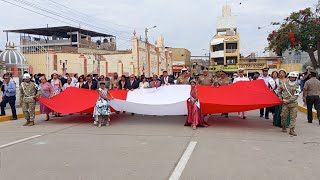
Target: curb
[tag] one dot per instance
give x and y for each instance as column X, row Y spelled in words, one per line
column 8, row 118
column 304, row 110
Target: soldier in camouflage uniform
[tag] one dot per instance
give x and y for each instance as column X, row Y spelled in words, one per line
column 289, row 92
column 29, row 92
column 184, row 78
column 206, row 79
column 222, row 81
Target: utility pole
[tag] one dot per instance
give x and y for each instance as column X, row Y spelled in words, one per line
column 146, row 38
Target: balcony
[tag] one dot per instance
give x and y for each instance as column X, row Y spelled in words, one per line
column 231, row 50
column 217, row 54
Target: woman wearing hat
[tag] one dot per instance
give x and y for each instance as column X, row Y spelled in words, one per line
column 195, row 117
column 102, row 108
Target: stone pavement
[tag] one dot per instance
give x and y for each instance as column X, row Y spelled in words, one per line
column 150, row 147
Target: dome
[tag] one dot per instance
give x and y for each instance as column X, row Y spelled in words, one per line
column 10, row 45
column 11, row 56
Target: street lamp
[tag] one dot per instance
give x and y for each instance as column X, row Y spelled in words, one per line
column 146, row 32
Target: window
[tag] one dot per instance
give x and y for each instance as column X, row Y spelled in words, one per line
column 232, row 60
column 219, row 47
column 297, row 58
column 231, row 47
column 219, row 61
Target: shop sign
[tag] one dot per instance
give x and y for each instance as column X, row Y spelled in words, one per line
column 177, row 68
column 252, row 66
column 224, row 68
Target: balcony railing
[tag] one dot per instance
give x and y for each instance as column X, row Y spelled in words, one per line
column 231, row 50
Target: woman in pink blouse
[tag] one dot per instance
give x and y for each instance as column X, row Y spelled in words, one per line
column 46, row 92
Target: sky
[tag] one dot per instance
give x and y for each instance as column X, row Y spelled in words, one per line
column 186, row 24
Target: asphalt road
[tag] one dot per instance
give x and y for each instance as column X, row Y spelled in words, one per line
column 149, row 147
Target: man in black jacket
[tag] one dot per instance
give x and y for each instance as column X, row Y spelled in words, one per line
column 132, row 83
column 90, row 84
column 165, row 79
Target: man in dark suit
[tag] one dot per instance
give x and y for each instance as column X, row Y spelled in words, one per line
column 155, row 83
column 132, row 83
column 90, row 84
column 166, row 80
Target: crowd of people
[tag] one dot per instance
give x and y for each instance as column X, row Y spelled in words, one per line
column 285, row 85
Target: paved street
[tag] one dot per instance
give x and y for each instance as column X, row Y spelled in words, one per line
column 149, row 147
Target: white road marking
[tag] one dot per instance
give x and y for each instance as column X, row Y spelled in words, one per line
column 19, row 141
column 183, row 161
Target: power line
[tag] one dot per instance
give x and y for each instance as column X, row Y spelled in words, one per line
column 94, row 17
column 74, row 13
column 36, row 12
column 61, row 16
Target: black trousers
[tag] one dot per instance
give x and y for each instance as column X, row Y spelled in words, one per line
column 313, row 101
column 265, row 113
column 12, row 102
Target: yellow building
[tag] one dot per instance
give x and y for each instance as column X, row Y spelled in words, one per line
column 253, row 64
column 225, row 45
column 181, row 58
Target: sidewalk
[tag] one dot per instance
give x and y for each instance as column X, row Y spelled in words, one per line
column 303, row 108
column 8, row 115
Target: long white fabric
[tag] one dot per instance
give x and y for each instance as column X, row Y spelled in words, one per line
column 165, row 100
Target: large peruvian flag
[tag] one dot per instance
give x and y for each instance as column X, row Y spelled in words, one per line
column 169, row 100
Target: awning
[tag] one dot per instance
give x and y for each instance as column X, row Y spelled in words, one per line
column 217, row 41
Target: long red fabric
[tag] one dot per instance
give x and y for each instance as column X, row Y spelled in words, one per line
column 241, row 96
column 77, row 100
column 238, row 97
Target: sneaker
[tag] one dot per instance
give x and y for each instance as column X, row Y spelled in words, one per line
column 2, row 114
column 261, row 115
column 14, row 118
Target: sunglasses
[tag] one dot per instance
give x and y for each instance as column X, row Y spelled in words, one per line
column 5, row 78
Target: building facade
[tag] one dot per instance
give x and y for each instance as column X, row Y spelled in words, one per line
column 143, row 58
column 225, row 45
column 253, row 64
column 74, row 50
column 199, row 63
column 181, row 58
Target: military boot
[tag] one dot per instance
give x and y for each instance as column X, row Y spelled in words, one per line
column 27, row 123
column 31, row 123
column 284, row 128
column 292, row 132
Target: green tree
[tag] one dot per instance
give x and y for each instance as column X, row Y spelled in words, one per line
column 298, row 32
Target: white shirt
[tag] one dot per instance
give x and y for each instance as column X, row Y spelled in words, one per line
column 266, row 79
column 238, row 79
column 66, row 85
column 144, row 85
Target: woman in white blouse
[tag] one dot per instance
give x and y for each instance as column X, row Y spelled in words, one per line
column 144, row 83
column 274, row 86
